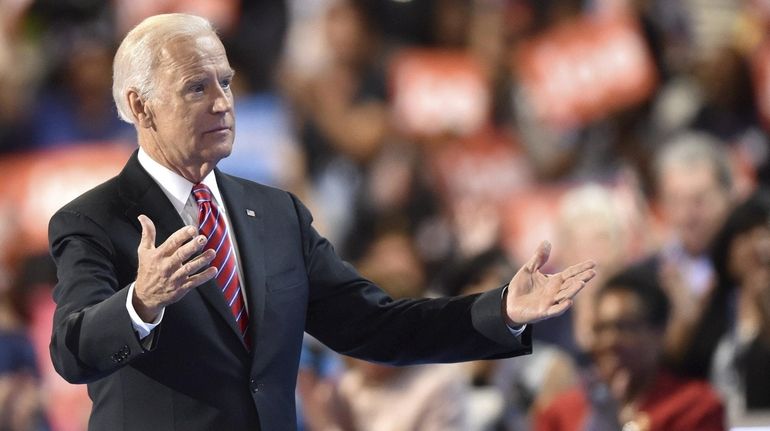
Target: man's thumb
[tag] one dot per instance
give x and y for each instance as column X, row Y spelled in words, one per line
column 148, row 232
column 540, row 257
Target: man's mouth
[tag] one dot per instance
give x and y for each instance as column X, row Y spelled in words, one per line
column 219, row 129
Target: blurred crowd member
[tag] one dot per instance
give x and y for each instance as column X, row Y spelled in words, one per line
column 319, row 370
column 396, row 192
column 694, row 191
column 742, row 259
column 21, row 397
column 257, row 40
column 628, row 387
column 589, row 223
column 341, row 111
column 20, row 67
column 416, row 398
column 728, row 109
column 78, row 106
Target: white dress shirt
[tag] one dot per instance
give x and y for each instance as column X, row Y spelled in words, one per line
column 179, row 192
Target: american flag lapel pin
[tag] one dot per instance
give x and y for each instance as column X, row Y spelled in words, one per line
column 250, row 213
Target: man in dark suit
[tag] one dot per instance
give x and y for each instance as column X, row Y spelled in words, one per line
column 178, row 325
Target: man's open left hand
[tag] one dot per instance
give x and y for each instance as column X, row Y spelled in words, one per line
column 533, row 296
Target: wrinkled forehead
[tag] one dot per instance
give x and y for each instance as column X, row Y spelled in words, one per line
column 188, row 52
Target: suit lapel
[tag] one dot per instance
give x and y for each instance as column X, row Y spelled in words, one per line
column 245, row 213
column 144, row 196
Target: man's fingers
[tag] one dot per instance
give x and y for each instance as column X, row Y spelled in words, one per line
column 196, row 280
column 558, row 308
column 569, row 290
column 177, row 239
column 148, row 233
column 194, row 265
column 187, row 250
column 540, row 257
column 577, row 269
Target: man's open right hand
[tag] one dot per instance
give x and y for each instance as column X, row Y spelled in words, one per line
column 167, row 272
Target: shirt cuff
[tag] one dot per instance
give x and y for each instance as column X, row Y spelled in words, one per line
column 515, row 330
column 141, row 327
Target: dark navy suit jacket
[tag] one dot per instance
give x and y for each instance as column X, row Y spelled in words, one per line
column 197, row 374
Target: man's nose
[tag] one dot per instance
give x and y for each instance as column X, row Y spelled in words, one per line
column 222, row 101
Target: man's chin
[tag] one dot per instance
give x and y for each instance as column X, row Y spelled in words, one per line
column 220, row 150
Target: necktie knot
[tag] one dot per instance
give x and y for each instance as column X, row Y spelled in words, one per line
column 201, row 193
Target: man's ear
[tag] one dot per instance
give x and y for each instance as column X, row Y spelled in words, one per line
column 140, row 110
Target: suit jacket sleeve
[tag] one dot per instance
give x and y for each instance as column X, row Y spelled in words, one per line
column 353, row 316
column 92, row 332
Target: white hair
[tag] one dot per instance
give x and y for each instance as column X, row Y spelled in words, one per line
column 139, row 53
column 590, row 203
column 691, row 148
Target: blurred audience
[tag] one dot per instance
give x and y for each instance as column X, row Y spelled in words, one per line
column 625, row 386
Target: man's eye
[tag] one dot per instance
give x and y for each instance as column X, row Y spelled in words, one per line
column 225, row 83
column 197, row 88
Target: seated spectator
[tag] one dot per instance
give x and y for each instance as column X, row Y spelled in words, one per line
column 627, row 388
column 742, row 260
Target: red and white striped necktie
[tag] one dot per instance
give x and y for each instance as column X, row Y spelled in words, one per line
column 211, row 223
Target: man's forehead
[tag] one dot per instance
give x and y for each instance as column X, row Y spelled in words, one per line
column 192, row 51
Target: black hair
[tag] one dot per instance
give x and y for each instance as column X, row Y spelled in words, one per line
column 642, row 282
column 751, row 213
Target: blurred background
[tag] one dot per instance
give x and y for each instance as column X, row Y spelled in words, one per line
column 437, row 142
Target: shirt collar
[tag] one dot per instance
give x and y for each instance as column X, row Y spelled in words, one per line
column 176, row 188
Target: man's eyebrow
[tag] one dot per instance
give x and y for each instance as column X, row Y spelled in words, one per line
column 194, row 77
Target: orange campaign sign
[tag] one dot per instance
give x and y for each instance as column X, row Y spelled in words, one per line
column 488, row 166
column 223, row 13
column 436, row 92
column 584, row 70
column 39, row 183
